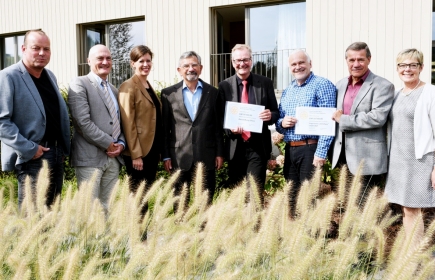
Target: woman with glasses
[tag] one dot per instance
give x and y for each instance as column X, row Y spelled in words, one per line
column 141, row 120
column 411, row 172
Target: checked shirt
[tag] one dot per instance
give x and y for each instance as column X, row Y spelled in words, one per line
column 314, row 92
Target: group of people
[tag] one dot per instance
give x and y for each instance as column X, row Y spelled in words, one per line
column 133, row 126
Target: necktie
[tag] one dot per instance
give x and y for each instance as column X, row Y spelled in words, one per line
column 246, row 134
column 116, row 127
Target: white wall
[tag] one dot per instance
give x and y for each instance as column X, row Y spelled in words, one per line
column 175, row 26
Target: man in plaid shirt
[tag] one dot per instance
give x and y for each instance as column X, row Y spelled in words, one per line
column 303, row 152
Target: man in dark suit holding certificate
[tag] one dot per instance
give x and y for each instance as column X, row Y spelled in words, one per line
column 248, row 152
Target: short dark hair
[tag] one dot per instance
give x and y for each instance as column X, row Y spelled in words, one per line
column 139, row 51
column 39, row 31
column 357, row 46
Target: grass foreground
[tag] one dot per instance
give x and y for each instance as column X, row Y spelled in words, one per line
column 234, row 238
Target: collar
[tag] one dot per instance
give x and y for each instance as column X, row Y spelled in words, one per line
column 310, row 77
column 98, row 78
column 199, row 84
column 362, row 80
column 249, row 79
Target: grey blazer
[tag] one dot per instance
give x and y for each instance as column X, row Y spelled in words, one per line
column 188, row 141
column 365, row 128
column 92, row 122
column 264, row 95
column 22, row 116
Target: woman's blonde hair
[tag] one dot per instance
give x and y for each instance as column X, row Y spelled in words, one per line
column 410, row 54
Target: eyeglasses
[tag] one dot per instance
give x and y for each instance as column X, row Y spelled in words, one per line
column 187, row 66
column 238, row 61
column 412, row 66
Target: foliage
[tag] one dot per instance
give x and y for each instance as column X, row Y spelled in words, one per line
column 234, row 238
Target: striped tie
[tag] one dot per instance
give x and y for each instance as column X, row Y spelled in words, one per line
column 116, row 127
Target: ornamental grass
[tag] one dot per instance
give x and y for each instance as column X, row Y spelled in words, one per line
column 234, row 238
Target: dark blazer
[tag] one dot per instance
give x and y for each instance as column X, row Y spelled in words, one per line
column 139, row 117
column 264, row 95
column 188, row 141
column 22, row 116
column 365, row 128
column 92, row 122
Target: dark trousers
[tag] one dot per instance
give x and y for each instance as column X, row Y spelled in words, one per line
column 246, row 161
column 55, row 160
column 148, row 173
column 298, row 167
column 187, row 176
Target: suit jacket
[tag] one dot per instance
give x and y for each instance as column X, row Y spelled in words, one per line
column 365, row 128
column 22, row 116
column 138, row 115
column 264, row 95
column 188, row 141
column 92, row 122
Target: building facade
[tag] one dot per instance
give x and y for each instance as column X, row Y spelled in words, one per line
column 211, row 27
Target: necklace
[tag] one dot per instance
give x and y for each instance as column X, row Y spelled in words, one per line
column 408, row 93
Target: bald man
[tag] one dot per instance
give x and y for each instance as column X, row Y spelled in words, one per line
column 98, row 140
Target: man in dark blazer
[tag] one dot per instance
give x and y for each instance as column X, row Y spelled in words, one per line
column 192, row 125
column 363, row 102
column 248, row 152
column 98, row 140
column 34, row 122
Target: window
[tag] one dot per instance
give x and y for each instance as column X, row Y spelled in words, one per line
column 120, row 37
column 272, row 31
column 10, row 47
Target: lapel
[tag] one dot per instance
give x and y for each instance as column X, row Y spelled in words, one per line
column 142, row 89
column 256, row 85
column 180, row 100
column 204, row 98
column 342, row 87
column 233, row 84
column 99, row 90
column 32, row 88
column 362, row 92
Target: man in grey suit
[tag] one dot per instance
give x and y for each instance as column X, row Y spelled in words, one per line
column 248, row 152
column 98, row 140
column 363, row 102
column 192, row 125
column 34, row 122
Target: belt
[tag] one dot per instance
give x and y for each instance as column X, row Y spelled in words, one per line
column 302, row 142
column 46, row 144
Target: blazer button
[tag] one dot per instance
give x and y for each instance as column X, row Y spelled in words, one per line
column 111, row 122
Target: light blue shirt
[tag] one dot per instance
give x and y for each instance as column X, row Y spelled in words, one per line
column 191, row 99
column 115, row 101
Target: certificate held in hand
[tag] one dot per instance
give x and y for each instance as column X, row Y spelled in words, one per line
column 243, row 115
column 315, row 121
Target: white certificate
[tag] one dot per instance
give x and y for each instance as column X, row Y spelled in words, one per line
column 315, row 121
column 243, row 115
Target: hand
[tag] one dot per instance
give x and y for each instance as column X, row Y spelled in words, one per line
column 337, row 115
column 219, row 161
column 138, row 164
column 40, row 151
column 238, row 130
column 114, row 150
column 432, row 178
column 318, row 162
column 288, row 121
column 168, row 165
column 266, row 115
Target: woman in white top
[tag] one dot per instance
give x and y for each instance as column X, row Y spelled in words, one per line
column 411, row 172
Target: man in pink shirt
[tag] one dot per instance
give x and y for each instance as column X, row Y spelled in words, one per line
column 363, row 103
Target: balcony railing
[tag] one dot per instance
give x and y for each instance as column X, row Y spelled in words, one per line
column 272, row 64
